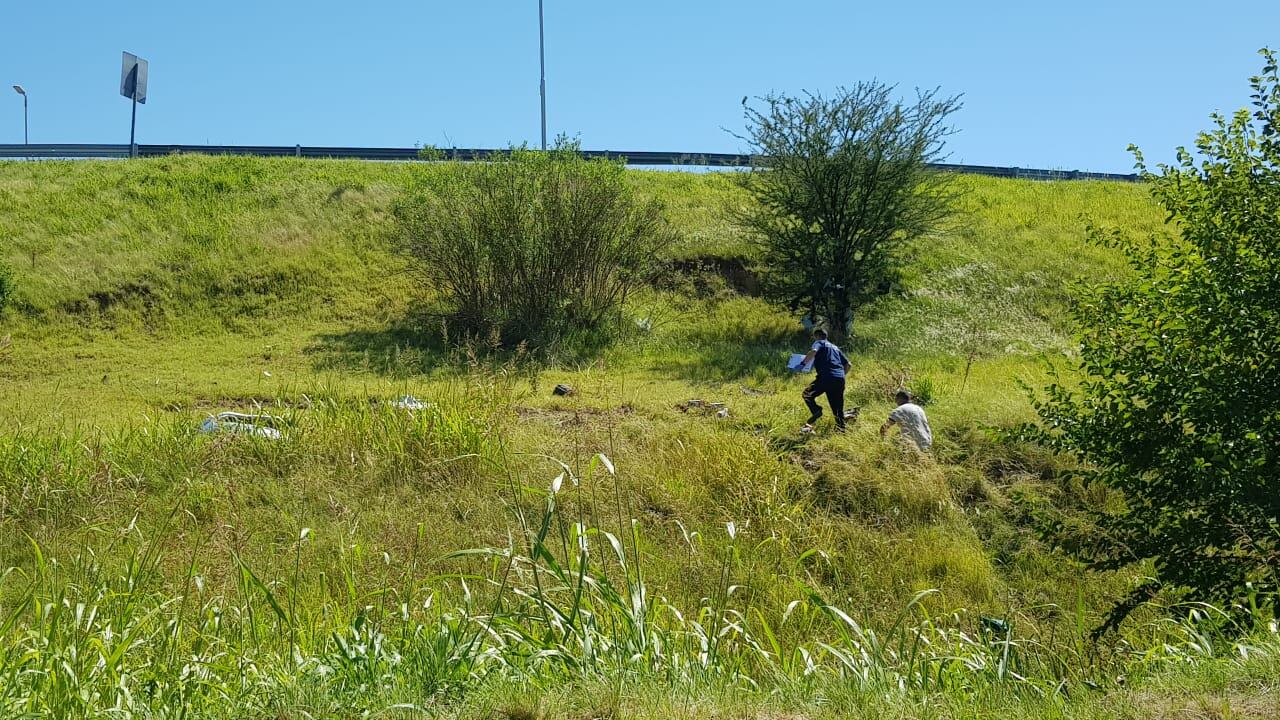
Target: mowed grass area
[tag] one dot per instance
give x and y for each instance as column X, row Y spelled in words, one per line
column 152, row 293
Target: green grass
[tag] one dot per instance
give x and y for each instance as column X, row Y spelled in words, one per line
column 152, row 293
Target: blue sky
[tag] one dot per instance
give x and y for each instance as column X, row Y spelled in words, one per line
column 1063, row 85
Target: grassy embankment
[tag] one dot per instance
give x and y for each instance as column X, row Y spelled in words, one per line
column 152, row 293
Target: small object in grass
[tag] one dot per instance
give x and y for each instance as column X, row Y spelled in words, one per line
column 410, row 403
column 563, row 390
column 703, row 407
column 241, row 424
column 995, row 626
column 852, row 414
column 806, row 429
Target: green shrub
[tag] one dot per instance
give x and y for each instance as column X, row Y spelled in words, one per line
column 923, row 391
column 1179, row 407
column 532, row 246
column 6, row 285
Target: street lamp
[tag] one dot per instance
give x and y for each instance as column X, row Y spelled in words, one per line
column 542, row 61
column 25, row 138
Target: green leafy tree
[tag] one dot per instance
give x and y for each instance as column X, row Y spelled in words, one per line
column 841, row 185
column 1178, row 407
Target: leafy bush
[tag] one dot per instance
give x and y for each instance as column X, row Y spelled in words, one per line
column 6, row 285
column 1179, row 409
column 923, row 391
column 532, row 245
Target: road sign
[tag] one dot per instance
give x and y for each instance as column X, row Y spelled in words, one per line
column 133, row 78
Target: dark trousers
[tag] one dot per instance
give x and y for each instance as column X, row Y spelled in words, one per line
column 833, row 388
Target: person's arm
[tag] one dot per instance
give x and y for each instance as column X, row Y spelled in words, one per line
column 809, row 356
column 890, row 422
column 884, row 429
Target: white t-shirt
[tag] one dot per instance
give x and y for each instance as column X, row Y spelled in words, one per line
column 910, row 417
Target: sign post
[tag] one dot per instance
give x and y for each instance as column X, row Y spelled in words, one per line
column 133, row 85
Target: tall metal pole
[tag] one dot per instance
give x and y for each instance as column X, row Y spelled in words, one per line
column 26, row 138
column 542, row 61
column 133, row 120
column 133, row 126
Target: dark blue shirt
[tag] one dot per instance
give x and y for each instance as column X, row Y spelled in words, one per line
column 828, row 361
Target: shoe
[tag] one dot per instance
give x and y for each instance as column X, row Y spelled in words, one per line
column 806, row 429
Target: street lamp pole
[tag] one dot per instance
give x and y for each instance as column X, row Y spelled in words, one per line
column 26, row 138
column 542, row 61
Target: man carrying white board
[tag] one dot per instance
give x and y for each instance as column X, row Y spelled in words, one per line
column 911, row 419
column 831, row 365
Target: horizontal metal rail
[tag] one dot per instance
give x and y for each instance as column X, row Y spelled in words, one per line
column 678, row 159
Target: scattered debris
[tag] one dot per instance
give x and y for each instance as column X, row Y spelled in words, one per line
column 242, row 424
column 563, row 390
column 410, row 403
column 702, row 407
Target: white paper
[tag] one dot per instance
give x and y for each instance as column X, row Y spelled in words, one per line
column 795, row 364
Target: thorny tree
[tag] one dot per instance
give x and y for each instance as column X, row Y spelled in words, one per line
column 840, row 185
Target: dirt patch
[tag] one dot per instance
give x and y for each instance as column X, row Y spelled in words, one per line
column 571, row 417
column 240, row 402
column 735, row 272
column 1245, row 705
column 104, row 300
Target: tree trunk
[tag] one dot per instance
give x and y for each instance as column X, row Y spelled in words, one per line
column 840, row 324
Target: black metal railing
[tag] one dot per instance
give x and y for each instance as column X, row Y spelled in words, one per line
column 677, row 159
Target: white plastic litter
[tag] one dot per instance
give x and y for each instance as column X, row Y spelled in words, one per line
column 241, row 424
column 409, row 402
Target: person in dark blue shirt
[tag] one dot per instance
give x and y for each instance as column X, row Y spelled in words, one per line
column 831, row 365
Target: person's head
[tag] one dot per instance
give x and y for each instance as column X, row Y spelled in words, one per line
column 820, row 334
column 903, row 397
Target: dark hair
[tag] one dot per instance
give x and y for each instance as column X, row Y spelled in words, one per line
column 820, row 334
column 902, row 396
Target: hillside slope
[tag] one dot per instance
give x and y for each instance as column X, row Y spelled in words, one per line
column 152, row 293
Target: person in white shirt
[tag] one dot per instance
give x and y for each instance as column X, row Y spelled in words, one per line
column 911, row 419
